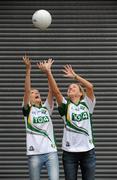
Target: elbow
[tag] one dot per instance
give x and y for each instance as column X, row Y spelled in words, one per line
column 91, row 87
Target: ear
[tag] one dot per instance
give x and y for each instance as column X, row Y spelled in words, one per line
column 81, row 93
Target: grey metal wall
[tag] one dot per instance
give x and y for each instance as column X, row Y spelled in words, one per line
column 82, row 33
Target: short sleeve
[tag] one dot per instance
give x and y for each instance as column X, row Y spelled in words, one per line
column 49, row 108
column 63, row 107
column 26, row 110
column 90, row 103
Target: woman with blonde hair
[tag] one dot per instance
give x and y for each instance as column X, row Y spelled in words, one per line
column 41, row 147
column 76, row 111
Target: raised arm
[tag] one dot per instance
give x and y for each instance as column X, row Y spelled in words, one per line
column 50, row 97
column 45, row 66
column 69, row 72
column 27, row 85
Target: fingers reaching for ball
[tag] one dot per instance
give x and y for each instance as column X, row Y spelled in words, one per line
column 45, row 65
column 27, row 61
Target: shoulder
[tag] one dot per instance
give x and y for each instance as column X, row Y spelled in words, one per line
column 47, row 106
column 87, row 99
column 63, row 107
column 90, row 103
column 26, row 110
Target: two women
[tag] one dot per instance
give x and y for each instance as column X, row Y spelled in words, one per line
column 76, row 111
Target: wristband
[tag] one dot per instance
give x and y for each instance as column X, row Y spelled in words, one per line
column 75, row 76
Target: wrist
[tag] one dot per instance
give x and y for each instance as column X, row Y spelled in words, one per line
column 75, row 76
column 28, row 70
column 48, row 72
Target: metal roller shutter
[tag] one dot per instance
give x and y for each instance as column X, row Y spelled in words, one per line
column 82, row 33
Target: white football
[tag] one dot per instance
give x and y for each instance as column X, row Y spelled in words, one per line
column 41, row 19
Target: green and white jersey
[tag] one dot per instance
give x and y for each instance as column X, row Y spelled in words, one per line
column 39, row 129
column 77, row 136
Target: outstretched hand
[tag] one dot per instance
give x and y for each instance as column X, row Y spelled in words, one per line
column 69, row 72
column 27, row 61
column 45, row 66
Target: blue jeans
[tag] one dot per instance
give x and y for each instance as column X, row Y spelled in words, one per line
column 86, row 160
column 49, row 160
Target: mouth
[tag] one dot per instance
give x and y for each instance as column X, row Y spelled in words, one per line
column 36, row 97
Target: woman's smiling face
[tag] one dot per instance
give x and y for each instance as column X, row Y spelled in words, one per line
column 74, row 91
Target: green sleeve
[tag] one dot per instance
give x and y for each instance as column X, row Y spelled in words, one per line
column 62, row 109
column 26, row 110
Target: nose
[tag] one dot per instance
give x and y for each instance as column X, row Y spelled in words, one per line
column 71, row 88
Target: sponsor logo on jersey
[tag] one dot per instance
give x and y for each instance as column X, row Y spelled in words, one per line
column 43, row 111
column 82, row 107
column 39, row 112
column 77, row 108
column 67, row 144
column 80, row 117
column 33, row 112
column 31, row 148
column 40, row 119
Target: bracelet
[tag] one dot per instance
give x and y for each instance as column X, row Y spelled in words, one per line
column 75, row 76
